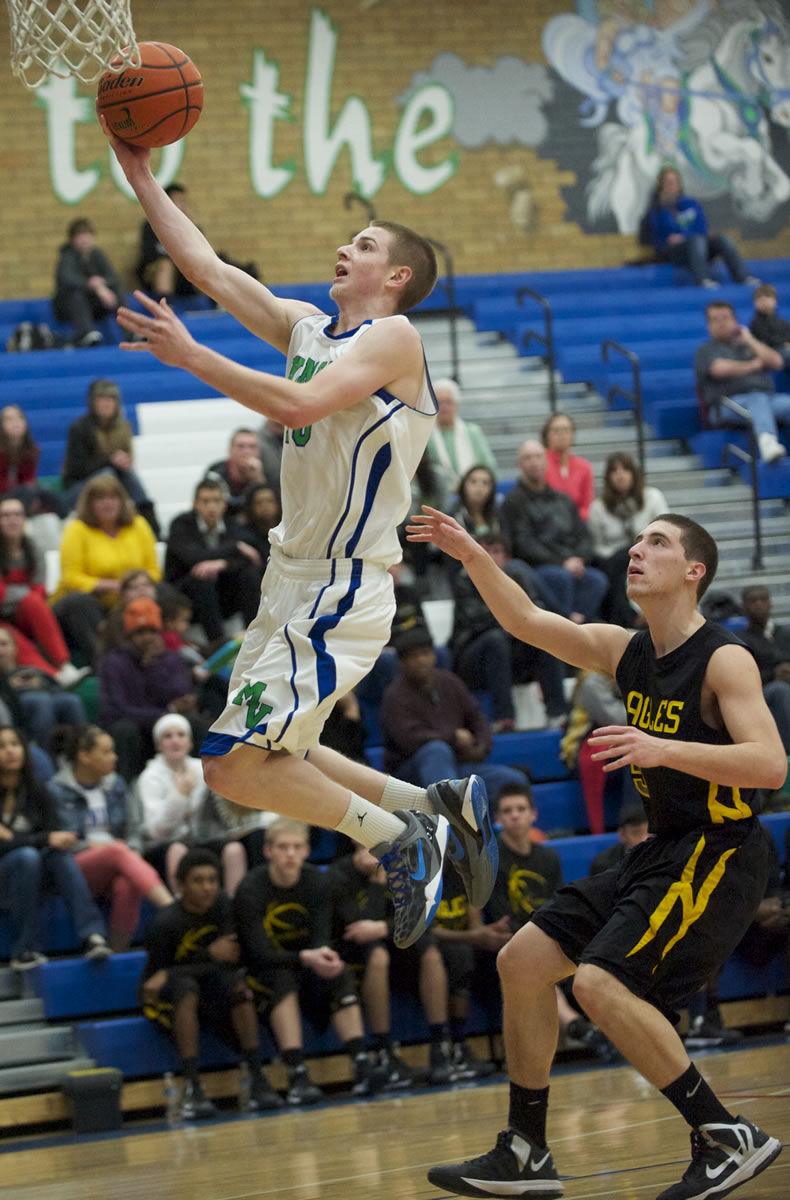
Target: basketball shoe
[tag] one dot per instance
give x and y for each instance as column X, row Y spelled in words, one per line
column 301, row 1089
column 413, row 863
column 195, row 1104
column 515, row 1167
column 722, row 1158
column 473, row 848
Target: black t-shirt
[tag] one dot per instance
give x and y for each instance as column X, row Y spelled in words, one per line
column 524, row 882
column 352, row 896
column 275, row 923
column 177, row 938
column 453, row 910
column 663, row 697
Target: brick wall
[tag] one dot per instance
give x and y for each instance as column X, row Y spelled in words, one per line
column 292, row 235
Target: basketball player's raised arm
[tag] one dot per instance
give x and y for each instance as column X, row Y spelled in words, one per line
column 389, row 357
column 594, row 647
column 263, row 313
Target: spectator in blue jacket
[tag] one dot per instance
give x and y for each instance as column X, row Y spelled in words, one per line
column 679, row 233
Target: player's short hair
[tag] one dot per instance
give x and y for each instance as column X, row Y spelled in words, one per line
column 200, row 856
column 209, row 485
column 718, row 304
column 764, row 289
column 409, row 249
column 515, row 789
column 698, row 546
column 286, row 825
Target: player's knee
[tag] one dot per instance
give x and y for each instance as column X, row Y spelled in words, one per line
column 379, row 958
column 591, row 989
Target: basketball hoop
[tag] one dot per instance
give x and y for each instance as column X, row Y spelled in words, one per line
column 70, row 37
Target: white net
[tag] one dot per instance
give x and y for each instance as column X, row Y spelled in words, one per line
column 70, row 37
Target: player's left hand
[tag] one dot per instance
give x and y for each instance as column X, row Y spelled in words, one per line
column 622, row 745
column 444, row 531
column 162, row 333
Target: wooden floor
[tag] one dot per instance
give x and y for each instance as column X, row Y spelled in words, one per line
column 612, row 1135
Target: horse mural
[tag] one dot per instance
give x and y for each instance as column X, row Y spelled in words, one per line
column 711, row 119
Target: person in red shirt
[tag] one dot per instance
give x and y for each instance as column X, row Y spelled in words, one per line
column 567, row 472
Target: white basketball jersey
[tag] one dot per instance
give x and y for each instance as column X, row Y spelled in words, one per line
column 345, row 480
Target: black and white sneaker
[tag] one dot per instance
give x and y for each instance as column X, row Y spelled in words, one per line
column 195, row 1104
column 394, row 1075
column 467, row 1066
column 27, row 960
column 707, row 1033
column 515, row 1167
column 302, row 1090
column 722, row 1158
column 413, row 863
column 263, row 1097
column 473, row 848
column 96, row 947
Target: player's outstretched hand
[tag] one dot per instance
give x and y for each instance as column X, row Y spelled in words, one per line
column 622, row 744
column 127, row 154
column 431, row 525
column 161, row 334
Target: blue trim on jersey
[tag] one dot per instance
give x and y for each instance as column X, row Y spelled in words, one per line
column 292, row 682
column 326, row 671
column 386, row 396
column 340, row 337
column 216, row 744
column 350, row 493
column 380, row 463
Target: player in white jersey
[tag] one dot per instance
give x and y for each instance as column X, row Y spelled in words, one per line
column 357, row 405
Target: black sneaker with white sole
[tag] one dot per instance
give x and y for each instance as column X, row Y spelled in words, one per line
column 515, row 1167
column 722, row 1158
column 301, row 1089
column 195, row 1104
column 473, row 848
column 96, row 948
column 413, row 863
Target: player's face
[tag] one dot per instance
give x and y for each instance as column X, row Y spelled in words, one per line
column 286, row 855
column 199, row 889
column 658, row 561
column 516, row 815
column 362, row 265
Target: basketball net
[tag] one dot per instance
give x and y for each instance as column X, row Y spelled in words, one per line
column 70, row 37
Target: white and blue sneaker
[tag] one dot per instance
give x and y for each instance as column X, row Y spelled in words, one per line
column 723, row 1156
column 473, row 848
column 413, row 863
column 515, row 1167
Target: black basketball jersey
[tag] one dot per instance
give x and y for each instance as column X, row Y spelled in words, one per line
column 663, row 696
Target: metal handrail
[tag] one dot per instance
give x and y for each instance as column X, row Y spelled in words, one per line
column 751, row 457
column 546, row 339
column 635, row 396
column 449, row 291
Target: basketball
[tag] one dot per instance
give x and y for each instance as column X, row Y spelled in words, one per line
column 156, row 103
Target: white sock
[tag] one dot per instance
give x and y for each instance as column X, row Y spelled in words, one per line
column 398, row 794
column 367, row 823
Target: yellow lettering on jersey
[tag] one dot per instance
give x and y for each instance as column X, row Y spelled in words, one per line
column 639, row 781
column 682, row 891
column 719, row 812
column 665, row 720
column 278, row 926
column 191, row 940
column 452, row 912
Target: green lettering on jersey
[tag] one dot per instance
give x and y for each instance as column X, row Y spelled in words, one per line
column 250, row 695
column 302, row 370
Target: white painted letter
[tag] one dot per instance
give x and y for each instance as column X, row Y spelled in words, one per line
column 64, row 110
column 266, row 106
column 437, row 101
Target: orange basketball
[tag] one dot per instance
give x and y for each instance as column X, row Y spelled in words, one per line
column 156, row 103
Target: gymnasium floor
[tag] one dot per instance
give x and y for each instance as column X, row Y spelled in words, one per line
column 612, row 1136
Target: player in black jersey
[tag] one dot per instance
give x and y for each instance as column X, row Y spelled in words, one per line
column 640, row 939
column 192, row 978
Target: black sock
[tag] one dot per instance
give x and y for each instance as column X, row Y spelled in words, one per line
column 355, row 1047
column 438, row 1034
column 380, row 1041
column 190, row 1067
column 293, row 1059
column 695, row 1100
column 528, row 1108
column 253, row 1060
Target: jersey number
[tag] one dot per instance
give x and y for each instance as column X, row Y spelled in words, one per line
column 250, row 695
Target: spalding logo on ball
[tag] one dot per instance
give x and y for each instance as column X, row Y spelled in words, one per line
column 156, row 103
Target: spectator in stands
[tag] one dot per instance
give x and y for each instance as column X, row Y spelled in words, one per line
column 240, row 470
column 734, row 364
column 476, row 504
column 291, row 967
column 192, row 980
column 207, row 560
column 94, row 803
column 631, row 830
column 23, row 599
column 87, row 287
column 139, row 683
column 680, row 235
column 432, row 724
column 19, row 458
column 596, row 703
column 260, row 513
column 44, row 704
column 156, row 272
column 173, row 795
column 766, row 324
column 35, row 858
column 270, row 449
column 455, row 444
column 626, row 505
column 770, row 645
column 429, row 485
column 769, row 933
column 361, row 932
column 487, row 658
column 567, row 472
column 104, row 541
column 134, row 584
column 545, row 529
column 100, row 443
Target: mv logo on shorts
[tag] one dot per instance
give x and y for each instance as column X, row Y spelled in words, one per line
column 682, row 892
column 250, row 694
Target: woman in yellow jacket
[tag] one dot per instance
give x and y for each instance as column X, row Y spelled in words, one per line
column 105, row 539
